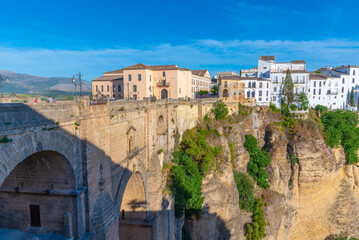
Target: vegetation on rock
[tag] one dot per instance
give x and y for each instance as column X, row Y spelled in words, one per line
column 256, row 229
column 245, row 190
column 259, row 159
column 340, row 127
column 193, row 160
column 219, row 110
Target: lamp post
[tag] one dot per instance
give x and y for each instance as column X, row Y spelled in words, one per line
column 6, row 81
column 75, row 83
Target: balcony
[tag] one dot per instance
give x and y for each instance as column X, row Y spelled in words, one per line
column 332, row 92
column 164, row 83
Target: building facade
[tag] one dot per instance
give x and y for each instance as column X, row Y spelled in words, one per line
column 244, row 89
column 201, row 81
column 161, row 81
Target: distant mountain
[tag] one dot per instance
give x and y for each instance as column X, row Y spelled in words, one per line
column 25, row 83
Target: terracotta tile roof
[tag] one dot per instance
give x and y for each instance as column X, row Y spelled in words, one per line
column 331, row 70
column 317, row 76
column 238, row 78
column 346, row 66
column 115, row 71
column 199, row 72
column 297, row 61
column 108, row 78
column 267, row 58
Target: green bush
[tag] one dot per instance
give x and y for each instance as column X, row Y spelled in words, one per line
column 219, row 110
column 320, row 110
column 340, row 127
column 193, row 160
column 256, row 229
column 259, row 159
column 273, row 108
column 245, row 191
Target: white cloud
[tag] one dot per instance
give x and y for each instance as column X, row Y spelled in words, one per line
column 207, row 53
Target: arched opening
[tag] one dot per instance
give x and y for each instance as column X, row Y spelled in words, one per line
column 164, row 94
column 160, row 125
column 134, row 200
column 225, row 93
column 40, row 193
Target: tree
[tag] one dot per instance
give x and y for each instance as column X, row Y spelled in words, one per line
column 219, row 110
column 256, row 229
column 358, row 104
column 245, row 190
column 351, row 99
column 288, row 86
column 214, row 89
column 302, row 99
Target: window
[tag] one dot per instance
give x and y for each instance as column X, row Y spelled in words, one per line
column 248, row 94
column 180, row 90
column 260, row 92
column 353, row 72
column 114, row 88
column 353, row 80
column 108, row 88
column 135, row 88
column 225, row 84
column 35, row 220
column 163, row 74
column 260, row 99
column 96, row 88
column 274, row 89
column 253, row 94
column 249, row 84
column 254, row 85
column 267, row 94
column 129, row 77
column 320, row 83
column 260, row 85
column 102, row 88
column 276, row 79
column 264, row 67
column 313, row 91
column 342, row 89
column 274, row 98
column 303, row 78
column 343, row 81
column 114, row 96
column 267, row 84
column 150, row 78
column 314, row 83
column 139, row 77
column 119, row 88
column 320, row 91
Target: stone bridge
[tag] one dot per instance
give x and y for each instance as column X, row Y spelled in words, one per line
column 91, row 171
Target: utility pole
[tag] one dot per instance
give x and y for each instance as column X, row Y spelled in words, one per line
column 3, row 84
column 80, row 82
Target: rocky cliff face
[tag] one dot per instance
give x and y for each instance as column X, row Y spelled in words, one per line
column 310, row 199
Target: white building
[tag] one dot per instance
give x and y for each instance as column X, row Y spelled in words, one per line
column 201, row 80
column 258, row 88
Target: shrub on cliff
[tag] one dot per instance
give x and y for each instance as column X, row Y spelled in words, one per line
column 340, row 127
column 219, row 110
column 245, row 191
column 256, row 229
column 259, row 159
column 193, row 160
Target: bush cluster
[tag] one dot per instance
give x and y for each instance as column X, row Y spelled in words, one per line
column 219, row 110
column 245, row 190
column 193, row 160
column 256, row 229
column 259, row 159
column 340, row 127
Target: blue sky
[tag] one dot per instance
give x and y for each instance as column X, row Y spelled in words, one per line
column 61, row 37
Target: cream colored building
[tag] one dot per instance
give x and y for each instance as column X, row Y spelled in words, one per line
column 139, row 81
column 201, row 80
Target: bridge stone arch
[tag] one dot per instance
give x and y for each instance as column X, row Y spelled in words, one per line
column 28, row 144
column 29, row 192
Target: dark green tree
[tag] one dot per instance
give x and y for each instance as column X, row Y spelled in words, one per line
column 245, row 190
column 219, row 110
column 214, row 89
column 302, row 99
column 288, row 92
column 256, row 229
column 351, row 99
